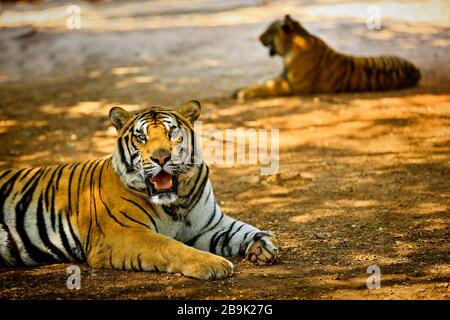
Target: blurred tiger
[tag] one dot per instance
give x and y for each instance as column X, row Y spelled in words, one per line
column 311, row 66
column 148, row 206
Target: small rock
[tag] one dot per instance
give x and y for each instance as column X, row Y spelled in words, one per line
column 338, row 276
column 307, row 176
column 319, row 235
column 254, row 179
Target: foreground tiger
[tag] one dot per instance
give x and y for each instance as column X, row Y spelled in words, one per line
column 311, row 66
column 149, row 206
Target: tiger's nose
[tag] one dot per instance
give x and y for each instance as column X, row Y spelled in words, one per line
column 161, row 157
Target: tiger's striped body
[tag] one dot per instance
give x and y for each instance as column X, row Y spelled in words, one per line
column 89, row 212
column 333, row 72
column 311, row 66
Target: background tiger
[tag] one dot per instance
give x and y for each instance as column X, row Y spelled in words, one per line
column 149, row 206
column 311, row 66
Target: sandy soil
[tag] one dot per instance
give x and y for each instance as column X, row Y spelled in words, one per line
column 363, row 179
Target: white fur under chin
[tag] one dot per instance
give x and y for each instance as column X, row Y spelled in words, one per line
column 164, row 199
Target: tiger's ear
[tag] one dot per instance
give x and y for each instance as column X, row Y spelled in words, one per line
column 190, row 110
column 119, row 117
column 290, row 24
column 287, row 18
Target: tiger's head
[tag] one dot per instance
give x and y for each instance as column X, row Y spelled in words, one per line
column 154, row 148
column 282, row 34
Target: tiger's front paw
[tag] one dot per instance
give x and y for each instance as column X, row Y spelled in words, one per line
column 209, row 267
column 241, row 94
column 262, row 250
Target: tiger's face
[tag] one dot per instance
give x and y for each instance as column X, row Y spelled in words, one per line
column 274, row 39
column 154, row 148
column 282, row 34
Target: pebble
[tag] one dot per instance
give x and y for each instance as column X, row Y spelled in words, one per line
column 338, row 276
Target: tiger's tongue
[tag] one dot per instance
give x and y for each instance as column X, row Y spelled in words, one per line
column 162, row 181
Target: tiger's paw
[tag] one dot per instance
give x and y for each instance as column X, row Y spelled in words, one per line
column 240, row 95
column 262, row 250
column 212, row 268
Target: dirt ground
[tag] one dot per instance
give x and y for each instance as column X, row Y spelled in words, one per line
column 363, row 178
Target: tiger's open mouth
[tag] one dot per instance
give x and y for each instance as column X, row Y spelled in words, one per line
column 269, row 45
column 163, row 182
column 272, row 52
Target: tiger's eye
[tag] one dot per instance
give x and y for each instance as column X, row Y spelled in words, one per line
column 141, row 137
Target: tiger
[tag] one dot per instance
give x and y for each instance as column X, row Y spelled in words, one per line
column 311, row 66
column 148, row 206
